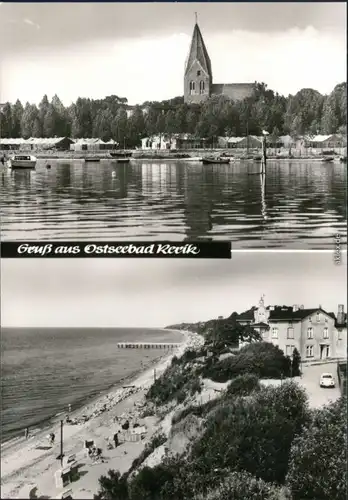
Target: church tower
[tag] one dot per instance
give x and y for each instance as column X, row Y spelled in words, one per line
column 198, row 74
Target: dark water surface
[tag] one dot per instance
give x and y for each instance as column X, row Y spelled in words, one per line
column 301, row 205
column 45, row 369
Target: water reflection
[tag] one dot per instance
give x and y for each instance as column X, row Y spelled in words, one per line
column 297, row 205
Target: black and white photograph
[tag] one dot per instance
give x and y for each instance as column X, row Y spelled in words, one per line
column 174, row 121
column 204, row 379
column 173, row 190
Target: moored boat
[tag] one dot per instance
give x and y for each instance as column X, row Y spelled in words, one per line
column 92, row 158
column 215, row 160
column 327, row 159
column 122, row 160
column 22, row 161
column 343, row 159
column 120, row 154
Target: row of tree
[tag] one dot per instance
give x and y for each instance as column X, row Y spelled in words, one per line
column 307, row 112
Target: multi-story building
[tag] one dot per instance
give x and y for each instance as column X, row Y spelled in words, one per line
column 316, row 333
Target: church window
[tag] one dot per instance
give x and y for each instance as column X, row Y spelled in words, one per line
column 198, row 73
column 201, row 87
column 192, row 87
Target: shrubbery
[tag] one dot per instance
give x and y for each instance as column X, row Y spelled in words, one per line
column 263, row 359
column 197, row 410
column 254, row 435
column 175, row 383
column 318, row 461
column 243, row 486
column 150, row 447
column 243, row 385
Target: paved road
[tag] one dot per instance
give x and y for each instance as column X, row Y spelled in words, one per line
column 310, row 381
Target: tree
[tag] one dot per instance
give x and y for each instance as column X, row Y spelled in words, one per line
column 119, row 126
column 17, row 113
column 296, row 363
column 49, row 123
column 30, row 114
column 113, row 487
column 318, row 458
column 43, row 109
column 6, row 123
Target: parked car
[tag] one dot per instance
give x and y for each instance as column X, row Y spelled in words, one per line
column 327, row 380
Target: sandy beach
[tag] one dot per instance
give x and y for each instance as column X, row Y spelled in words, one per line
column 28, row 466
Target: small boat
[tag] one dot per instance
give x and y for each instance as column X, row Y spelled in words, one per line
column 343, row 159
column 122, row 160
column 120, row 154
column 22, row 161
column 327, row 159
column 92, row 159
column 215, row 160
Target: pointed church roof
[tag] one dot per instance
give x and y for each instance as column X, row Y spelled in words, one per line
column 198, row 51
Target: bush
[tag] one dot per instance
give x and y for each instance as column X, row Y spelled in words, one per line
column 318, row 460
column 254, row 435
column 198, row 411
column 150, row 447
column 263, row 359
column 113, row 487
column 243, row 385
column 296, row 363
column 174, row 383
column 243, row 486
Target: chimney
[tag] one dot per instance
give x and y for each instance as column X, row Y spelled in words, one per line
column 340, row 314
column 295, row 307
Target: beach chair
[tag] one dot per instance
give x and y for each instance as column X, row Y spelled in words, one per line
column 62, row 477
column 66, row 495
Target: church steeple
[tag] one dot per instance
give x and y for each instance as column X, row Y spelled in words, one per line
column 198, row 73
column 198, row 52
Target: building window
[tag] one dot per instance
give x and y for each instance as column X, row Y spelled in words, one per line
column 290, row 332
column 198, row 73
column 192, row 87
column 201, row 87
column 310, row 333
column 265, row 334
column 274, row 333
column 310, row 320
column 309, row 351
column 326, row 320
column 339, row 334
column 289, row 350
column 318, row 317
column 326, row 333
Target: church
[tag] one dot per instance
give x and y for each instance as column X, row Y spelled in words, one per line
column 198, row 80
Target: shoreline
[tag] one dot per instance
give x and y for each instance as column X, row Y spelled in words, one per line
column 52, row 420
column 30, row 462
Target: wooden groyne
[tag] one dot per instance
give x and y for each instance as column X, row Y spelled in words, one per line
column 147, row 345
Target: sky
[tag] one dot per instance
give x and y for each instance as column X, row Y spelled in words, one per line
column 160, row 292
column 138, row 51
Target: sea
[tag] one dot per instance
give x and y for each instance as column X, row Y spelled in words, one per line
column 43, row 370
column 297, row 205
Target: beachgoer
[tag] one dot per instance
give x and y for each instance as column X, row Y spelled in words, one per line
column 2, row 160
column 26, row 432
column 52, row 437
column 116, row 439
column 69, row 408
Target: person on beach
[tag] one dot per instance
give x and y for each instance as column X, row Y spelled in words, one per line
column 116, row 439
column 26, row 433
column 52, row 438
